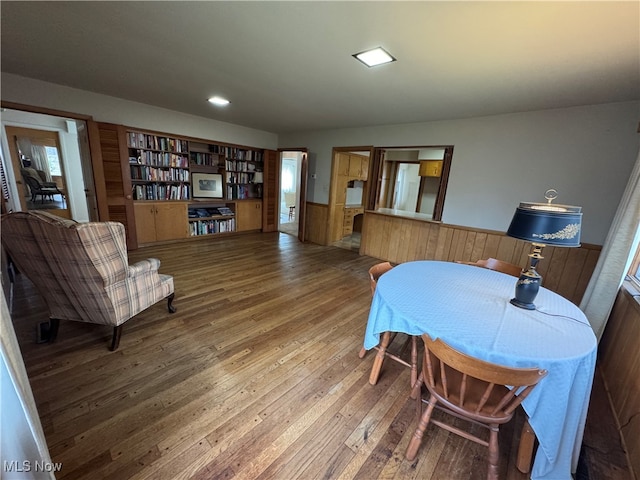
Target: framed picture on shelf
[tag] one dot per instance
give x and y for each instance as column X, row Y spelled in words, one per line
column 206, row 185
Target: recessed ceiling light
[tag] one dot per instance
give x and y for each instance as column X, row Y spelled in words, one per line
column 221, row 102
column 375, row 56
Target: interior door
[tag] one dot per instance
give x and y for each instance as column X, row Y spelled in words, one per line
column 304, row 168
column 39, row 151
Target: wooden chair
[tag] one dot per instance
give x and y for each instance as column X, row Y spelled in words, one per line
column 527, row 436
column 375, row 273
column 498, row 265
column 471, row 389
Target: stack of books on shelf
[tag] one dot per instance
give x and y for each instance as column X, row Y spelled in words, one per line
column 161, row 192
column 208, row 227
column 154, row 142
column 145, row 173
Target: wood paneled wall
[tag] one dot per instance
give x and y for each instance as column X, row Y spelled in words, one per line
column 316, row 223
column 566, row 271
column 619, row 357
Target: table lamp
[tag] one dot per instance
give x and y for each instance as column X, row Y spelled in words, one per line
column 542, row 224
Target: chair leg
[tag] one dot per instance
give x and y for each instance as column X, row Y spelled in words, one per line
column 494, row 453
column 377, row 362
column 115, row 341
column 170, row 306
column 525, row 449
column 416, row 440
column 417, row 387
column 414, row 360
column 54, row 324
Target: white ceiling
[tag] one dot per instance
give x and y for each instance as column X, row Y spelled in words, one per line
column 288, row 66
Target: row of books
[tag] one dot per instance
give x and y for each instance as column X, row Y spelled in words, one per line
column 157, row 191
column 154, row 142
column 160, row 159
column 239, row 177
column 241, row 154
column 198, row 158
column 241, row 192
column 210, row 212
column 153, row 174
column 240, row 166
column 207, row 227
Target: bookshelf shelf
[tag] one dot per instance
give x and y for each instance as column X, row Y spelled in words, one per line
column 211, row 218
column 159, row 167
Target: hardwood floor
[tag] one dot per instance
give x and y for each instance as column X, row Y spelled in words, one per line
column 256, row 376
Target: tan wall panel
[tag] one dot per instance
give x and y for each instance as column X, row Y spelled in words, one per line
column 316, row 223
column 566, row 271
column 619, row 356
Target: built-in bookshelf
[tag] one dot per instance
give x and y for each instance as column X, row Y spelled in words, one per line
column 244, row 173
column 211, row 218
column 206, row 157
column 159, row 167
column 217, row 187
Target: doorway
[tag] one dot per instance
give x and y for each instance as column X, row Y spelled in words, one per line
column 46, row 160
column 37, row 163
column 289, row 193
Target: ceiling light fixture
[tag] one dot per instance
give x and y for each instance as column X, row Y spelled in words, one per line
column 375, row 56
column 219, row 101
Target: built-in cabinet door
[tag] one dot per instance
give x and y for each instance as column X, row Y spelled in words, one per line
column 248, row 215
column 161, row 221
column 171, row 221
column 145, row 221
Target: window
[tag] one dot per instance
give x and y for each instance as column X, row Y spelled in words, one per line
column 54, row 161
column 634, row 271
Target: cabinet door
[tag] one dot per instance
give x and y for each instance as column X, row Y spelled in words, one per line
column 355, row 166
column 431, row 168
column 249, row 215
column 145, row 220
column 171, row 221
column 343, row 164
column 364, row 169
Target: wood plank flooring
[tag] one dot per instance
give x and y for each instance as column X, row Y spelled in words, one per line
column 255, row 377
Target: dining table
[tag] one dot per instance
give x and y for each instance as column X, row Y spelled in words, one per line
column 468, row 307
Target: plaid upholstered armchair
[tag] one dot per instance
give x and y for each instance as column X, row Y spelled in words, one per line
column 82, row 271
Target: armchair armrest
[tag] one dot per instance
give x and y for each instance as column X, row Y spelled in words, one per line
column 143, row 266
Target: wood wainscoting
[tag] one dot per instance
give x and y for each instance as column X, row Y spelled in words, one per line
column 316, row 223
column 619, row 357
column 566, row 271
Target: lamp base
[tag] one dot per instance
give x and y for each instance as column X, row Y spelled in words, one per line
column 519, row 304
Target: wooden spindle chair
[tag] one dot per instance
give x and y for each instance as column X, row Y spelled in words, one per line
column 527, row 437
column 470, row 389
column 498, row 266
column 375, row 272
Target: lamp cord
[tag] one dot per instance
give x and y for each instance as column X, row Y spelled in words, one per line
column 564, row 316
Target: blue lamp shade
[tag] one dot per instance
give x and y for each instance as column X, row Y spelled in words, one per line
column 542, row 224
column 557, row 225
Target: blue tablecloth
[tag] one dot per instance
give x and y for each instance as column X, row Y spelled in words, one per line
column 468, row 307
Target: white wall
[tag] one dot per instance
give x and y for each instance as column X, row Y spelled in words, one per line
column 23, row 447
column 586, row 153
column 104, row 108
